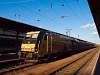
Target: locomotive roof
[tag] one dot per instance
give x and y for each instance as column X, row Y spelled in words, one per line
column 35, row 32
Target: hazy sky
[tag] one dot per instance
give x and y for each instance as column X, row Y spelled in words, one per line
column 55, row 15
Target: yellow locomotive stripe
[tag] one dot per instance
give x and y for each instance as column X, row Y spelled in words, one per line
column 27, row 47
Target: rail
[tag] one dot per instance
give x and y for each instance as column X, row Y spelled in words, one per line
column 74, row 73
column 15, row 68
column 10, row 66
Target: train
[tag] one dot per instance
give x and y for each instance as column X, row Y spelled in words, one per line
column 43, row 45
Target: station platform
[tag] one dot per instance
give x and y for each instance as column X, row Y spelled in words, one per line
column 8, row 56
column 94, row 67
column 97, row 69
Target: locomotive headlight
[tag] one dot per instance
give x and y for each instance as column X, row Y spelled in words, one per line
column 36, row 51
column 32, row 49
column 22, row 49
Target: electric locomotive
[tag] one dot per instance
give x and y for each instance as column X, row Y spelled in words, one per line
column 42, row 45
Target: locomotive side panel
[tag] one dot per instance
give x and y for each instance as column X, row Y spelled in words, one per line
column 74, row 45
column 43, row 46
column 53, row 44
column 57, row 45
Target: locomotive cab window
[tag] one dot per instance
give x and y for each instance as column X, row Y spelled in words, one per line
column 45, row 37
column 28, row 36
column 34, row 35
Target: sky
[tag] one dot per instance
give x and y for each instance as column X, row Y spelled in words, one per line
column 55, row 15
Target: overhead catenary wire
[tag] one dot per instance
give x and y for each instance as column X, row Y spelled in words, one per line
column 78, row 4
column 12, row 2
column 74, row 12
column 81, row 10
column 52, row 6
column 41, row 15
column 22, row 1
column 57, row 6
column 31, row 10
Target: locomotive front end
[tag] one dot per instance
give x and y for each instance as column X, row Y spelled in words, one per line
column 28, row 47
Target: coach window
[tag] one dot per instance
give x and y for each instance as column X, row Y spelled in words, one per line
column 45, row 37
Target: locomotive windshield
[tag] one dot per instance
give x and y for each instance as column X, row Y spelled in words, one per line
column 30, row 38
column 34, row 35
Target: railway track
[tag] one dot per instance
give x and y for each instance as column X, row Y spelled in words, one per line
column 11, row 62
column 72, row 68
column 10, row 65
column 8, row 56
column 16, row 68
column 52, row 68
